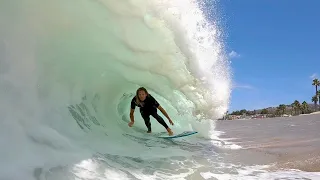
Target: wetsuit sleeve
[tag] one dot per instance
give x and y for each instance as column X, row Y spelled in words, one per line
column 154, row 101
column 133, row 104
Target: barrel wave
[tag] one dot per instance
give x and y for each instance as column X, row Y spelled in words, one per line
column 69, row 69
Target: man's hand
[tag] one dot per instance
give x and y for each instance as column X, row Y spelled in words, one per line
column 130, row 124
column 171, row 122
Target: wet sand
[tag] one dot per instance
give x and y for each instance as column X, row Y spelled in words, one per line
column 287, row 142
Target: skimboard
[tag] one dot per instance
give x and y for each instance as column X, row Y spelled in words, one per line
column 185, row 133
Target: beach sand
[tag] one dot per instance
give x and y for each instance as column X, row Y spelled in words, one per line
column 286, row 143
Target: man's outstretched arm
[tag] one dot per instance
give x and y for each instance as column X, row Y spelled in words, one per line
column 165, row 114
column 131, row 117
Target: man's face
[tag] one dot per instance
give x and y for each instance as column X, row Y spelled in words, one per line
column 142, row 95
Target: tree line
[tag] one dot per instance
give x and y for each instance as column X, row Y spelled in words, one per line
column 294, row 108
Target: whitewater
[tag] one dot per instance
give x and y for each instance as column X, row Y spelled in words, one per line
column 69, row 69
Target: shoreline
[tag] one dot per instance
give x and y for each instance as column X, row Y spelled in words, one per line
column 265, row 118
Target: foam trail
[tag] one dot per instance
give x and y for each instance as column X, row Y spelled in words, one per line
column 68, row 70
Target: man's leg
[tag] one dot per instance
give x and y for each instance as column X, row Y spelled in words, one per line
column 146, row 118
column 160, row 119
column 162, row 122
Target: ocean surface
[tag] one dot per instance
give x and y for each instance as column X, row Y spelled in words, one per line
column 68, row 70
column 286, row 142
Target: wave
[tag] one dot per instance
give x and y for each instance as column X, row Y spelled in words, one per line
column 68, row 70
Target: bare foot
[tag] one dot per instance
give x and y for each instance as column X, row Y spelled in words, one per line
column 170, row 132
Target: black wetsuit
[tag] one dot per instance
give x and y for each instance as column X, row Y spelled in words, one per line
column 149, row 107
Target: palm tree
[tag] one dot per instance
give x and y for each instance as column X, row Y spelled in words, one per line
column 296, row 107
column 304, row 107
column 315, row 100
column 282, row 108
column 318, row 94
column 316, row 83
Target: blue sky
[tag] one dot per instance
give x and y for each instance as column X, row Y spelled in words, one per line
column 274, row 47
